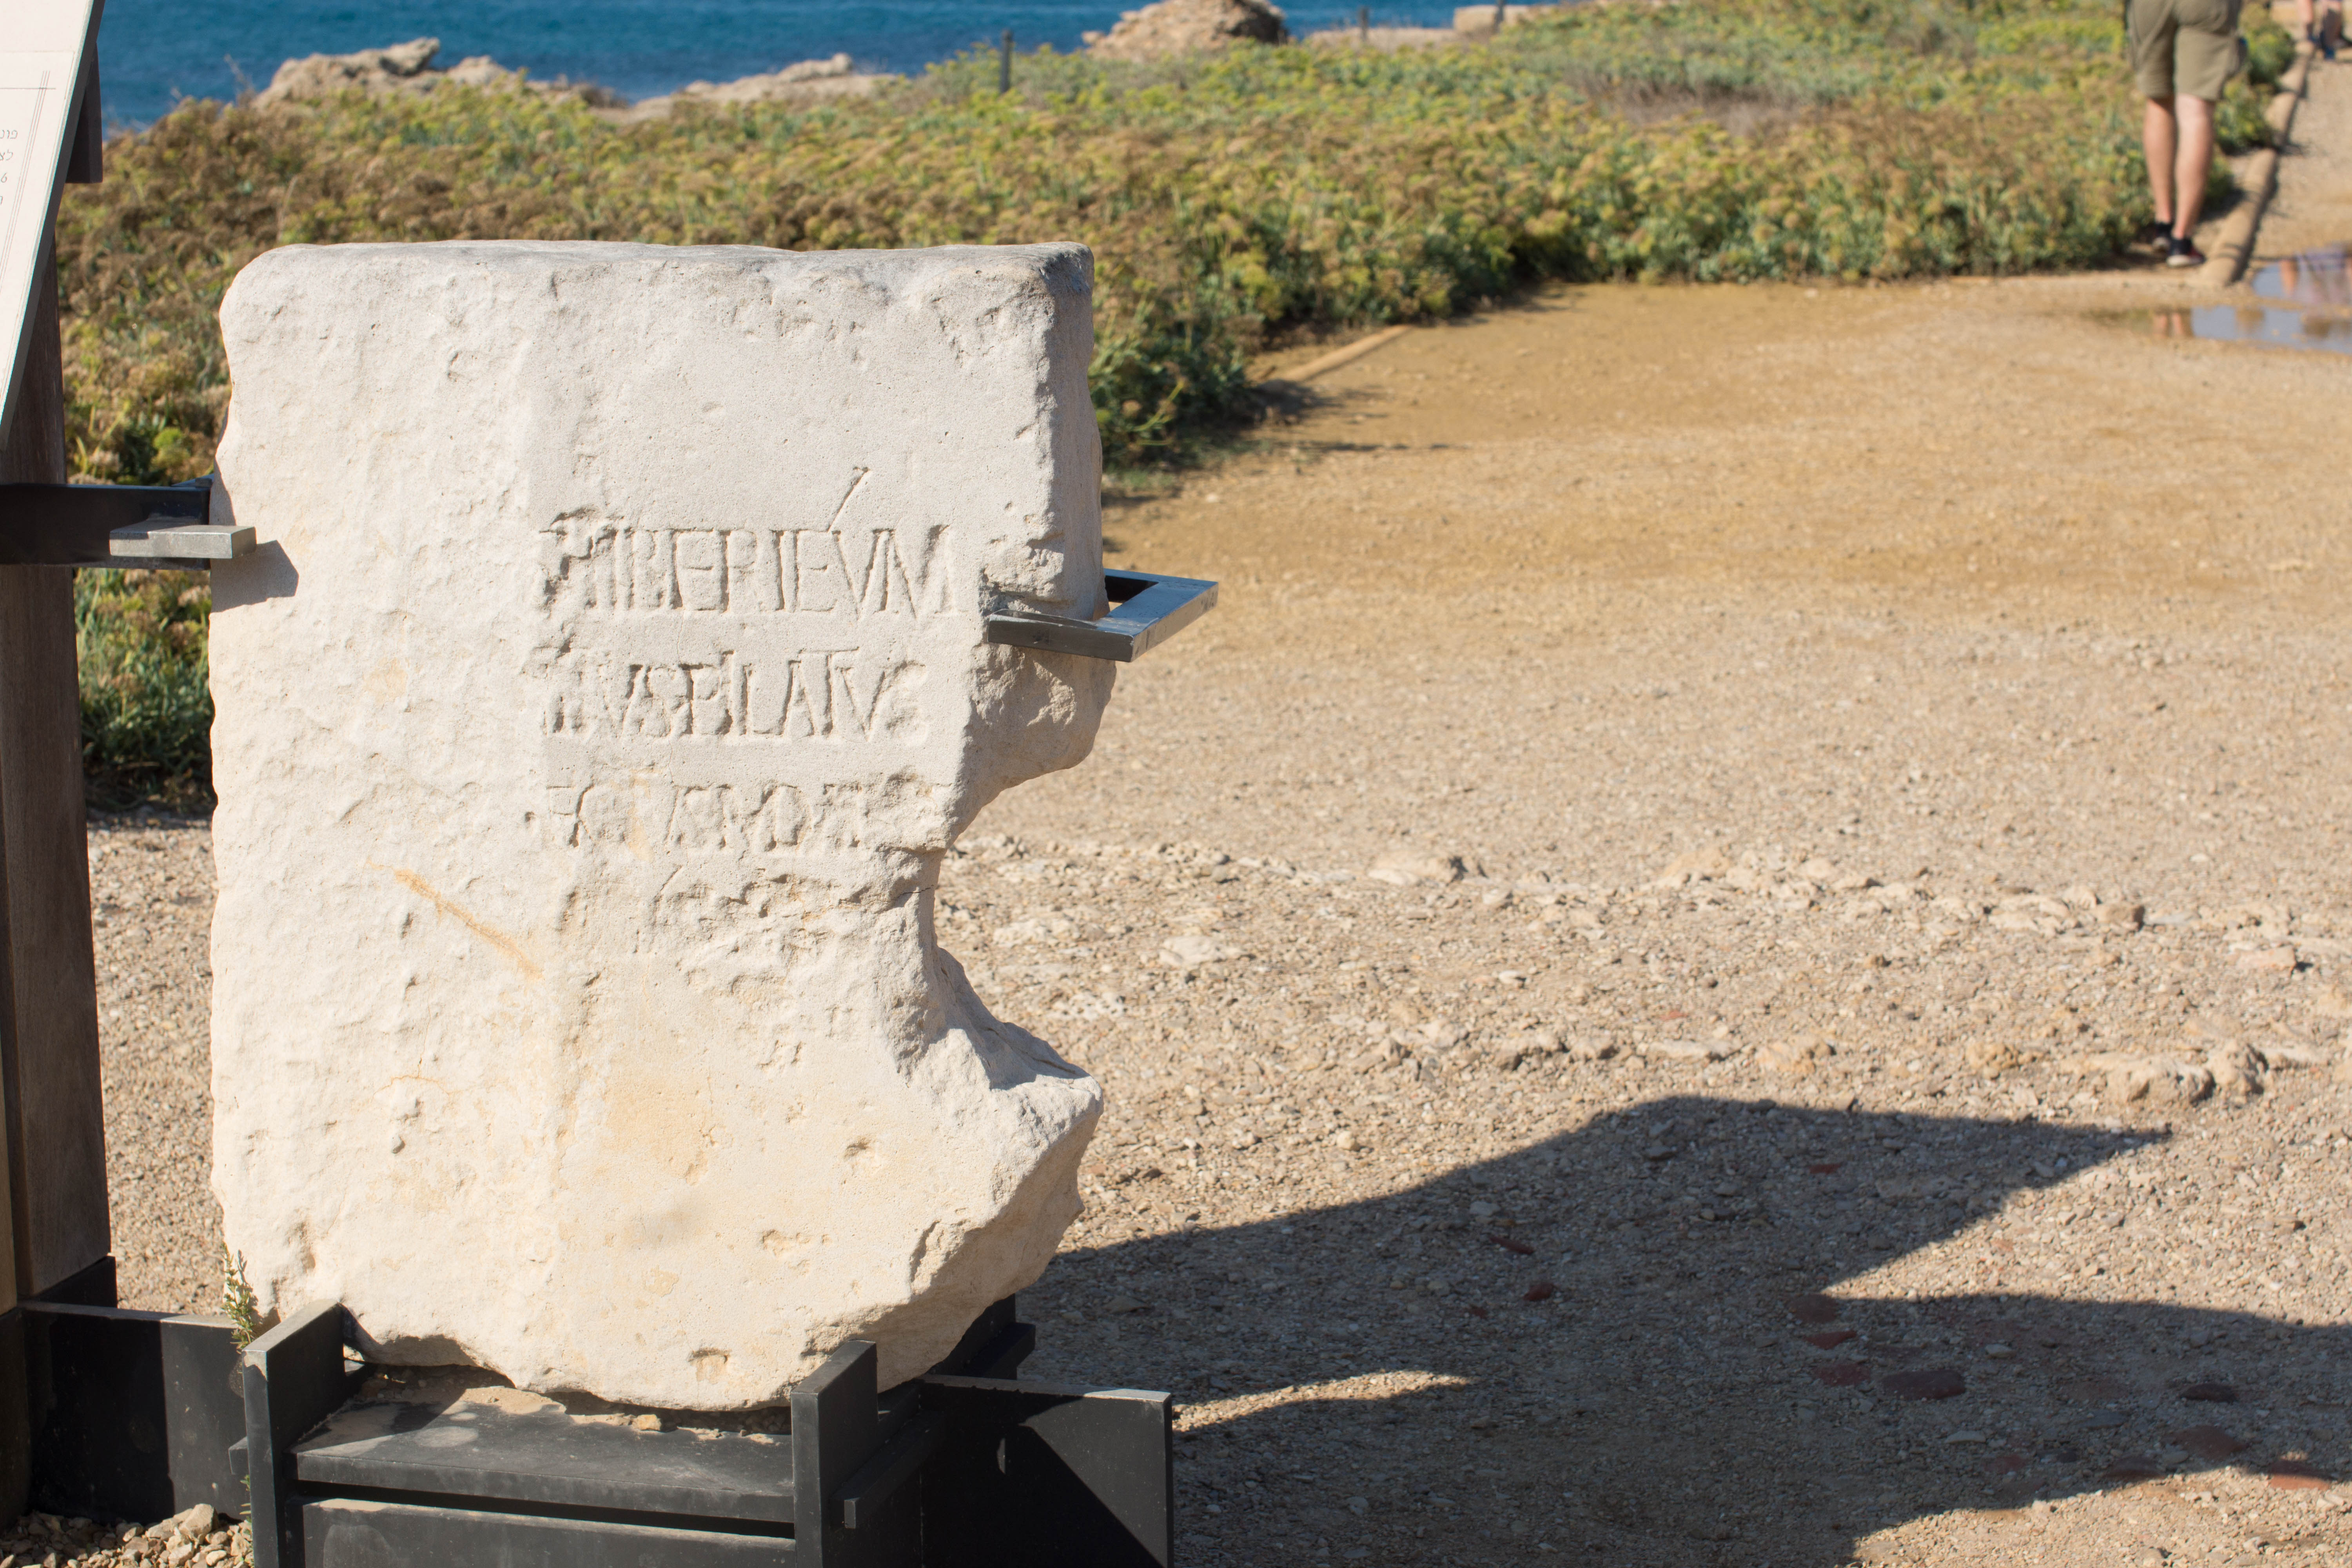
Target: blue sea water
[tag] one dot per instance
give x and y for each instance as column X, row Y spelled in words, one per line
column 153, row 52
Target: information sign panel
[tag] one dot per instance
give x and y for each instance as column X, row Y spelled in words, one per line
column 44, row 45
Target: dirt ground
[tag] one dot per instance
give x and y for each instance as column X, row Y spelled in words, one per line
column 1730, row 949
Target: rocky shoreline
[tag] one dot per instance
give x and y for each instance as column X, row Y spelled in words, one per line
column 409, row 68
column 1169, row 28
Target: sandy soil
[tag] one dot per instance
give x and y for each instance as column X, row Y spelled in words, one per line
column 1693, row 800
column 151, row 909
column 2312, row 208
column 1965, row 591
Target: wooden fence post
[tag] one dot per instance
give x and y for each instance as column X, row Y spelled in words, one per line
column 49, row 1081
column 53, row 1233
column 15, row 1417
column 48, row 1036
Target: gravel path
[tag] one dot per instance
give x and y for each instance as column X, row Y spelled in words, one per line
column 151, row 907
column 1731, row 948
column 1933, row 700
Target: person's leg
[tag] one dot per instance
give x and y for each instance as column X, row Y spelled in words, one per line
column 2195, row 163
column 2152, row 37
column 2159, row 136
column 2302, row 15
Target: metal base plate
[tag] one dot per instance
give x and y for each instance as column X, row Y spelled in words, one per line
column 956, row 1469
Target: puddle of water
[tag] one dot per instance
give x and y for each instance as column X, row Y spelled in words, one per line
column 2313, row 291
column 2280, row 328
column 2314, row 278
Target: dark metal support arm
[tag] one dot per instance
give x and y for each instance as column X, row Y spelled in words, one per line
column 164, row 526
column 1147, row 609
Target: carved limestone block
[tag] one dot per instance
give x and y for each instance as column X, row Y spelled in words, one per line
column 593, row 721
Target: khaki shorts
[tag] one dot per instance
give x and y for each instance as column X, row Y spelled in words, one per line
column 2184, row 45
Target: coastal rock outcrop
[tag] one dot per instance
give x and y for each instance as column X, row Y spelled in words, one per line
column 409, row 68
column 1184, row 26
column 807, row 81
column 1484, row 21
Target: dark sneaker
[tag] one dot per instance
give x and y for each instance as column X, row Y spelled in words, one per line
column 2156, row 233
column 2185, row 253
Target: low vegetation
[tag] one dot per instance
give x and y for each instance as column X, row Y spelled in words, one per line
column 146, row 716
column 1228, row 198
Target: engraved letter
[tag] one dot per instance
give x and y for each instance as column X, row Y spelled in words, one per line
column 606, row 816
column 653, row 583
column 766, row 692
column 775, row 695
column 894, row 581
column 662, row 704
column 602, row 589
column 840, row 668
column 699, row 557
column 563, row 812
column 750, row 570
column 822, row 582
column 763, row 823
column 590, row 695
column 578, row 559
column 706, row 698
column 567, row 705
column 697, row 821
column 813, row 704
column 887, row 587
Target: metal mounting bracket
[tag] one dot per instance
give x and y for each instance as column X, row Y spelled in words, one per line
column 162, row 527
column 177, row 539
column 1147, row 609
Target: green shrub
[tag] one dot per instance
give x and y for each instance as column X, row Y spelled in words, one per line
column 2270, row 50
column 2238, row 122
column 146, row 714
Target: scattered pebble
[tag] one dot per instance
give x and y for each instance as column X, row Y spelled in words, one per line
column 1926, row 1382
column 2206, row 1442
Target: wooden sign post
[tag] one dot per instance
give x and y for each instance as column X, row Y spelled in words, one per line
column 49, row 96
column 54, row 1169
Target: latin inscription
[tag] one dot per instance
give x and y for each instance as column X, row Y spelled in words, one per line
column 605, row 568
column 636, row 678
column 814, row 694
column 649, row 817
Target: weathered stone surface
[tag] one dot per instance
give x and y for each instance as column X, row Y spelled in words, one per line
column 1184, row 26
column 1472, row 21
column 803, row 82
column 592, row 723
column 314, row 76
column 409, row 68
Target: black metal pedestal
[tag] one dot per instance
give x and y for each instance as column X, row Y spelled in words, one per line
column 125, row 1414
column 965, row 1468
column 138, row 1415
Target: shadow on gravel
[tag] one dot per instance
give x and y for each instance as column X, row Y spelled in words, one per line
column 1698, row 1387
